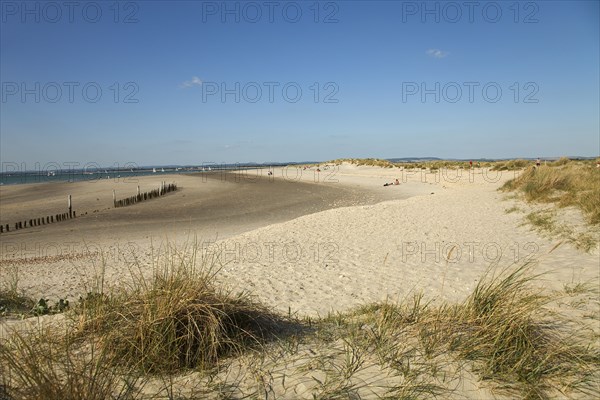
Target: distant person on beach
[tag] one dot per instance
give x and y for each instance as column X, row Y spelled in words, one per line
column 538, row 162
column 396, row 182
column 471, row 164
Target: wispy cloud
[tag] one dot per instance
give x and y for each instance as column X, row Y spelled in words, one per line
column 437, row 53
column 195, row 81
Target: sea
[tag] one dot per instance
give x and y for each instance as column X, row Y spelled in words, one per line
column 118, row 174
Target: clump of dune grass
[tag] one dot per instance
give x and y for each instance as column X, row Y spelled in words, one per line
column 176, row 319
column 373, row 162
column 44, row 363
column 501, row 326
column 563, row 183
column 561, row 161
column 433, row 165
column 513, row 339
column 503, row 330
column 511, row 165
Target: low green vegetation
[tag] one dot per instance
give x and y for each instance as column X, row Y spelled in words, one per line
column 435, row 165
column 12, row 303
column 564, row 183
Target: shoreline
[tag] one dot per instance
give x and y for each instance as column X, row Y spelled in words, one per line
column 306, row 246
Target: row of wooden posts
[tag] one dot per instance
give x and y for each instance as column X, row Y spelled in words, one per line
column 41, row 221
column 164, row 189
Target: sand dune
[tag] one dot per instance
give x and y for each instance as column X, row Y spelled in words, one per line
column 316, row 243
column 306, row 246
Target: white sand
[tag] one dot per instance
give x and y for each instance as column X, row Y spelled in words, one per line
column 432, row 233
column 342, row 257
column 337, row 259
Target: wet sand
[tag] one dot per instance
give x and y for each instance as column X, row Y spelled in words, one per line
column 207, row 205
column 61, row 259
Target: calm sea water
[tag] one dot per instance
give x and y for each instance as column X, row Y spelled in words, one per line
column 17, row 178
column 74, row 176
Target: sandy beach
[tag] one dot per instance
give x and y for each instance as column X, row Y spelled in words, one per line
column 300, row 240
column 305, row 242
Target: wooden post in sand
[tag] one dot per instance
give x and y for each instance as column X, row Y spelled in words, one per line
column 70, row 207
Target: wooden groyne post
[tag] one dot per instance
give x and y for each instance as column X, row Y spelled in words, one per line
column 163, row 189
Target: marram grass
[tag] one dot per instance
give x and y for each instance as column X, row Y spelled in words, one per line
column 179, row 320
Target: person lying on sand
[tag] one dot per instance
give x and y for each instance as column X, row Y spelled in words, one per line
column 396, row 182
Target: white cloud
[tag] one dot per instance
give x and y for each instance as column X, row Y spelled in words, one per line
column 195, row 81
column 437, row 53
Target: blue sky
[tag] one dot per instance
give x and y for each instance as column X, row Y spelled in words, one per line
column 178, row 81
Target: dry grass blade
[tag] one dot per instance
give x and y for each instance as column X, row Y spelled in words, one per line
column 504, row 327
column 177, row 319
column 45, row 364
